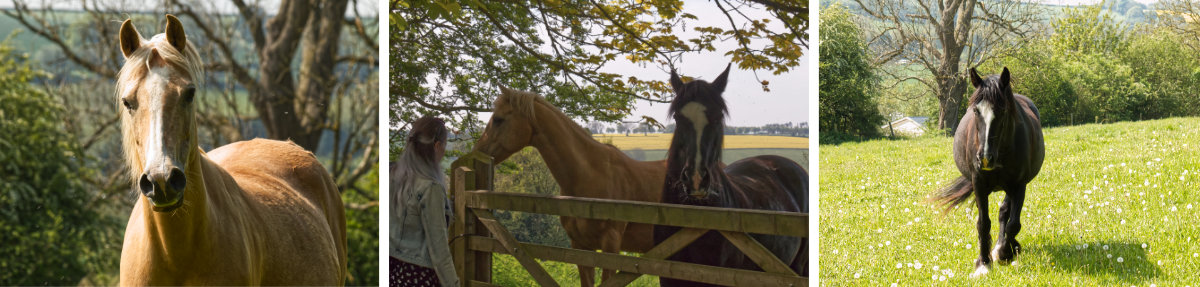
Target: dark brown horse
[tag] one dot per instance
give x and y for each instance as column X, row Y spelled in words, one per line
column 695, row 177
column 998, row 145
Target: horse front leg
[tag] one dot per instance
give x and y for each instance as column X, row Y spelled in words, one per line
column 610, row 242
column 1008, row 247
column 1000, row 236
column 983, row 227
column 587, row 274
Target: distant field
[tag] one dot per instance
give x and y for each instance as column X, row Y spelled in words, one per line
column 661, row 141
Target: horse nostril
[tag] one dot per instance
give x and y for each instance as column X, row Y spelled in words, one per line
column 146, row 185
column 177, row 179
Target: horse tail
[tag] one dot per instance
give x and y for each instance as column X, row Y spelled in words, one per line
column 954, row 194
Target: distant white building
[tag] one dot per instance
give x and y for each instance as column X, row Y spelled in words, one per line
column 906, row 126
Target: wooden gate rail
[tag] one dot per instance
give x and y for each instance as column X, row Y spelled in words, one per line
column 473, row 247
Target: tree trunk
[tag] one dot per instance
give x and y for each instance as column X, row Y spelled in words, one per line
column 290, row 110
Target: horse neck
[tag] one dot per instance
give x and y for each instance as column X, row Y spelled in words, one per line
column 570, row 152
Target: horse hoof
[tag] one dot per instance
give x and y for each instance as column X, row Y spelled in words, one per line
column 980, row 271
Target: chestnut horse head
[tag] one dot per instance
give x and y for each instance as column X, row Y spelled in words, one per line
column 155, row 92
column 512, row 125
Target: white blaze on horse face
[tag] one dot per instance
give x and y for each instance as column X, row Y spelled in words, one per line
column 694, row 112
column 156, row 87
column 985, row 110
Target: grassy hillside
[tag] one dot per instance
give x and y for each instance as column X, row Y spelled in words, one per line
column 1115, row 204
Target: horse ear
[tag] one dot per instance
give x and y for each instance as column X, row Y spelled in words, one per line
column 505, row 89
column 976, row 81
column 1005, row 80
column 175, row 34
column 676, row 82
column 719, row 83
column 129, row 38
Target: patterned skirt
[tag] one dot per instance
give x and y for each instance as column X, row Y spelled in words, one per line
column 404, row 274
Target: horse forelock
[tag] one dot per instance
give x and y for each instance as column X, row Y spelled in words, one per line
column 138, row 66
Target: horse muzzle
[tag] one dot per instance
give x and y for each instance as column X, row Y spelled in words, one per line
column 164, row 189
column 987, row 165
column 701, row 194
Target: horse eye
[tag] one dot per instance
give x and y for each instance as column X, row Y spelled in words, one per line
column 129, row 104
column 499, row 121
column 189, row 93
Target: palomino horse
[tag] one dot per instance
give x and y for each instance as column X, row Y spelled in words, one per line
column 258, row 212
column 582, row 166
column 695, row 177
column 998, row 145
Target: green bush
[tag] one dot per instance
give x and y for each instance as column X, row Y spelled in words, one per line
column 526, row 172
column 50, row 234
column 1094, row 69
column 848, row 85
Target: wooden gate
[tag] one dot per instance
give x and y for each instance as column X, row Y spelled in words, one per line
column 480, row 234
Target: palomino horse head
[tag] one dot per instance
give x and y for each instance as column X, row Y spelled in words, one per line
column 695, row 151
column 995, row 111
column 155, row 90
column 511, row 126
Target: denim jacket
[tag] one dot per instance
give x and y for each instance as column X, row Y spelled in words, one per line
column 419, row 228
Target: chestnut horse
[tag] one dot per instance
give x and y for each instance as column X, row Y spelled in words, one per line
column 998, row 145
column 695, row 176
column 257, row 212
column 582, row 166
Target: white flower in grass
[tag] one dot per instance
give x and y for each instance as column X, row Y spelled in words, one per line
column 1160, row 263
column 1144, row 246
column 888, row 243
column 1105, row 247
column 917, row 265
column 1195, row 254
column 894, row 285
column 968, row 246
column 1120, row 259
column 898, row 265
column 934, row 277
column 1110, row 256
column 1173, row 208
column 936, row 268
column 1189, row 206
column 908, row 247
column 856, row 275
column 1085, row 245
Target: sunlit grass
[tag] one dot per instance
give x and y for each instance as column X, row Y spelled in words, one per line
column 1114, row 204
column 506, row 271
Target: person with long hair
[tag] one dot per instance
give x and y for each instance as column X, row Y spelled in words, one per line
column 421, row 212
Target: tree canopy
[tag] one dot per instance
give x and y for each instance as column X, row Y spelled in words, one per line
column 449, row 57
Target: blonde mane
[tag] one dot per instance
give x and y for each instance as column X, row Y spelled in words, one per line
column 524, row 102
column 136, row 67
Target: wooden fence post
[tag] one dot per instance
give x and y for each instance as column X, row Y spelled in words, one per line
column 470, row 172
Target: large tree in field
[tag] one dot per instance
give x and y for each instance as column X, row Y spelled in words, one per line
column 945, row 38
column 448, row 57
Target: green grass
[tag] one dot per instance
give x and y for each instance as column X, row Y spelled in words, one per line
column 1125, row 189
column 506, row 271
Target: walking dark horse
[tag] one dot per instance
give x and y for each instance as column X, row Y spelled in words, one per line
column 695, row 177
column 998, row 145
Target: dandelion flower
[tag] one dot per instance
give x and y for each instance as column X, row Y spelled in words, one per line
column 856, row 275
column 1120, row 259
column 1105, row 247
